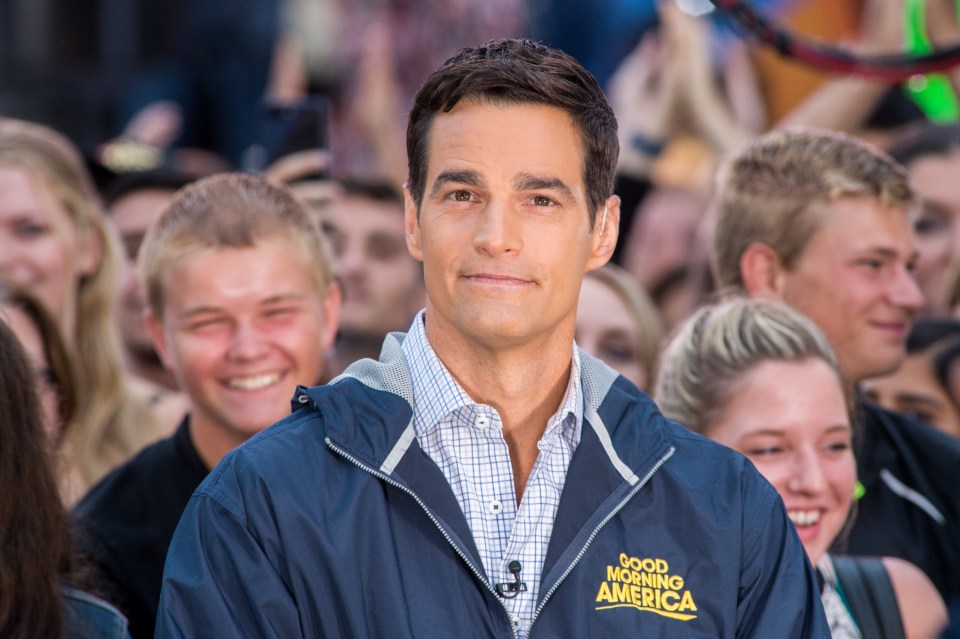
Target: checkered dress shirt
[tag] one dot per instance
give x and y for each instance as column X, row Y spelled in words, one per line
column 465, row 440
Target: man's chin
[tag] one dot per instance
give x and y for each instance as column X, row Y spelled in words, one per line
column 878, row 367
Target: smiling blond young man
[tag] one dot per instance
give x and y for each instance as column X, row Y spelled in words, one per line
column 486, row 478
column 241, row 310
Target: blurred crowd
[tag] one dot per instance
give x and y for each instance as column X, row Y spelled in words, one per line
column 268, row 140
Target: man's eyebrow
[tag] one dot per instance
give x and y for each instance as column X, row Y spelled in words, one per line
column 922, row 400
column 199, row 310
column 890, row 253
column 468, row 178
column 280, row 298
column 528, row 182
column 283, row 298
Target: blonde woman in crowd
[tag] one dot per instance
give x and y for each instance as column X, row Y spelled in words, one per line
column 760, row 378
column 619, row 324
column 54, row 242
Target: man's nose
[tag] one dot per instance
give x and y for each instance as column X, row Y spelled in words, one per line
column 247, row 342
column 498, row 232
column 905, row 292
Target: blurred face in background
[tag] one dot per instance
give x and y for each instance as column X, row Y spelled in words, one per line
column 607, row 330
column 913, row 389
column 242, row 327
column 790, row 419
column 133, row 214
column 32, row 341
column 41, row 249
column 938, row 226
column 854, row 279
column 382, row 284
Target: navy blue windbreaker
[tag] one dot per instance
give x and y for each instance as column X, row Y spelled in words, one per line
column 334, row 523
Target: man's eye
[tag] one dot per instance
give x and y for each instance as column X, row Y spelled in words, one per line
column 461, row 196
column 283, row 311
column 930, row 225
column 541, row 200
column 205, row 324
column 920, row 415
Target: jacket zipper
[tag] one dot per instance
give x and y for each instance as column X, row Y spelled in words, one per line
column 596, row 531
column 376, row 473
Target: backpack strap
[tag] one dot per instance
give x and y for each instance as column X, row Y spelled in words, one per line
column 867, row 589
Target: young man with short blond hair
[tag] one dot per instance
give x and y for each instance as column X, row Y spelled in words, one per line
column 242, row 309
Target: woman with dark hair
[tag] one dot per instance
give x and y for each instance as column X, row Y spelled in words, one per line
column 36, row 559
column 47, row 352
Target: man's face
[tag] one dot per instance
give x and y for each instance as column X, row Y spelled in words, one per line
column 938, row 226
column 382, row 284
column 504, row 231
column 913, row 389
column 241, row 328
column 133, row 215
column 854, row 280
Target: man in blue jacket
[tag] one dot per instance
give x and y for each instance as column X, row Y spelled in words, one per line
column 485, row 478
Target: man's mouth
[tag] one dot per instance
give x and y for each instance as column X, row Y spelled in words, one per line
column 253, row 382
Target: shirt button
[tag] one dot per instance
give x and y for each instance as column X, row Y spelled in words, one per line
column 495, row 507
column 516, row 620
column 482, row 421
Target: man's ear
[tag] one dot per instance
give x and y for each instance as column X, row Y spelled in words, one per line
column 606, row 230
column 411, row 224
column 762, row 271
column 159, row 338
column 331, row 315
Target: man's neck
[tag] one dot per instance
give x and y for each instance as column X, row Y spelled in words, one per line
column 525, row 383
column 210, row 441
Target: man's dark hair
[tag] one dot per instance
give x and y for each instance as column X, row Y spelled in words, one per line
column 923, row 139
column 372, row 189
column 942, row 335
column 519, row 72
column 162, row 179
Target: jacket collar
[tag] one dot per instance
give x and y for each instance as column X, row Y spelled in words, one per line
column 368, row 409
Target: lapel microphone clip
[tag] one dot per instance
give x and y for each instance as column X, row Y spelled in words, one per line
column 507, row 589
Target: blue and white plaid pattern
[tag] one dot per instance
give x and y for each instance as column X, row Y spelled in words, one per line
column 466, row 441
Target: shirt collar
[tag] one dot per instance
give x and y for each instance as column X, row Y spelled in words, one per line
column 436, row 394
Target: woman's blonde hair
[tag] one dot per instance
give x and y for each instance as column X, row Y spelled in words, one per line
column 713, row 350
column 111, row 426
column 643, row 312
